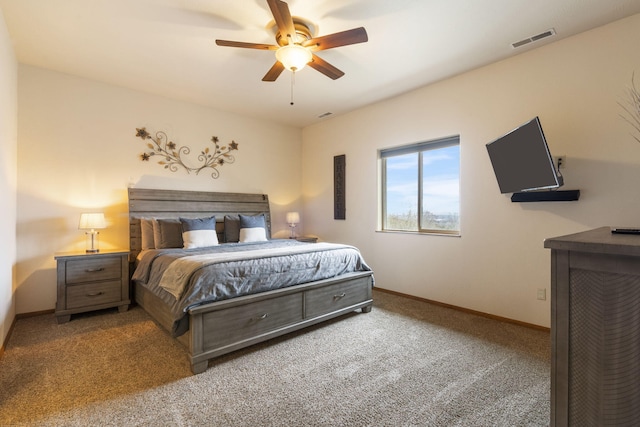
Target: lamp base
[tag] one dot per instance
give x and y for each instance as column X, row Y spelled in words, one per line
column 92, row 242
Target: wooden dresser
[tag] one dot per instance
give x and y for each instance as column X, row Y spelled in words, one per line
column 595, row 329
column 89, row 282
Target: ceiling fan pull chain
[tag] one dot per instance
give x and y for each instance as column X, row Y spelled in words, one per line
column 293, row 80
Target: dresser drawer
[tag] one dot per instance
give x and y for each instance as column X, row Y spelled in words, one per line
column 247, row 321
column 335, row 297
column 93, row 294
column 93, row 269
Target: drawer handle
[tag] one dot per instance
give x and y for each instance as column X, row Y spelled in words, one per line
column 342, row 295
column 94, row 270
column 264, row 316
column 95, row 294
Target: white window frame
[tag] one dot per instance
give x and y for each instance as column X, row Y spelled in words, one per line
column 416, row 148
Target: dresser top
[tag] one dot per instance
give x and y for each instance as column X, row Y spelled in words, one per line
column 598, row 240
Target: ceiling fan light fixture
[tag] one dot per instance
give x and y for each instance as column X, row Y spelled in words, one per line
column 293, row 56
column 296, row 43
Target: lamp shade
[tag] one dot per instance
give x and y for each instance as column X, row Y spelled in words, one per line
column 293, row 217
column 92, row 221
column 293, row 56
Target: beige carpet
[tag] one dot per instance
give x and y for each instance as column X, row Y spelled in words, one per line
column 407, row 363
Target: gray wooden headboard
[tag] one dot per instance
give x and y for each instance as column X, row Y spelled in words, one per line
column 150, row 203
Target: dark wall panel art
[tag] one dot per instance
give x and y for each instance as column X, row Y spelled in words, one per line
column 339, row 185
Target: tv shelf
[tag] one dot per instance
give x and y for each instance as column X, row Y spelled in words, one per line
column 546, row 196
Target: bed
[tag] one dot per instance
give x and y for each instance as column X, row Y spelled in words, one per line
column 221, row 298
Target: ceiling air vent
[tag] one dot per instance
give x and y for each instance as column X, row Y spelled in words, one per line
column 544, row 35
column 323, row 115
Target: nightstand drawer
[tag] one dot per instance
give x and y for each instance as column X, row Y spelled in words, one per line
column 93, row 294
column 92, row 270
column 87, row 282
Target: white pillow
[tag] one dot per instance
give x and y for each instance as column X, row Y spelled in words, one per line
column 199, row 238
column 253, row 228
column 199, row 232
column 257, row 234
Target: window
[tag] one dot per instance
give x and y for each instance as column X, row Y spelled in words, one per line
column 420, row 187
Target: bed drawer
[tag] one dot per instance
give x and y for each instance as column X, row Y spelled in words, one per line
column 93, row 294
column 247, row 321
column 91, row 270
column 335, row 297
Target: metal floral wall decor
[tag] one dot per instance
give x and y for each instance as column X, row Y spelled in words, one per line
column 171, row 156
column 632, row 107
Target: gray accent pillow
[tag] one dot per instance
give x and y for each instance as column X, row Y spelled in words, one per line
column 167, row 233
column 231, row 228
column 146, row 237
column 252, row 221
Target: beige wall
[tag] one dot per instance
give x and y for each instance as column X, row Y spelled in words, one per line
column 8, row 159
column 574, row 86
column 78, row 151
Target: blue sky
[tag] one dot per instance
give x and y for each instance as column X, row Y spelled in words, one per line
column 441, row 176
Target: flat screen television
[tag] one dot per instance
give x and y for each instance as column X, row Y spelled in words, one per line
column 522, row 162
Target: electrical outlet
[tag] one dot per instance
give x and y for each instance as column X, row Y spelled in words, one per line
column 542, row 294
column 561, row 162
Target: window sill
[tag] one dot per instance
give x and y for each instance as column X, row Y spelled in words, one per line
column 421, row 233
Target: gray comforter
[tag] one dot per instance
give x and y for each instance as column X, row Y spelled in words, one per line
column 185, row 278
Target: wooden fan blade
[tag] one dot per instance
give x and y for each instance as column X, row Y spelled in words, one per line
column 343, row 38
column 325, row 68
column 282, row 16
column 246, row 45
column 274, row 72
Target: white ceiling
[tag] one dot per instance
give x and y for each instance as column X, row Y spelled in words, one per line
column 167, row 47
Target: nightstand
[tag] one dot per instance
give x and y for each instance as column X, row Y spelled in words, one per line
column 307, row 239
column 88, row 282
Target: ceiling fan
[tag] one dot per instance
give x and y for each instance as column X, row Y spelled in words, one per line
column 296, row 44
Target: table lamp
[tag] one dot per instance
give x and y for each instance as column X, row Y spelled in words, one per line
column 293, row 218
column 92, row 222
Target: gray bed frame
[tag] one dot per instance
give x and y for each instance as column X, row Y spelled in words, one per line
column 225, row 326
